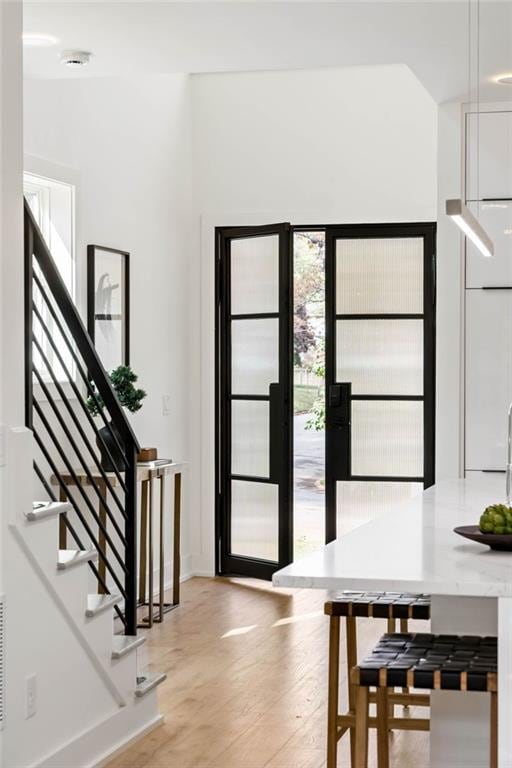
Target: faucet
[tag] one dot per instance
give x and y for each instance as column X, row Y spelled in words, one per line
column 509, row 455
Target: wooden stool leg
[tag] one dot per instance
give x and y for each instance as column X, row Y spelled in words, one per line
column 494, row 731
column 333, row 691
column 382, row 728
column 351, row 630
column 391, row 629
column 404, row 627
column 361, row 760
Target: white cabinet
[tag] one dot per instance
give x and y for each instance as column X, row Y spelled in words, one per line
column 488, row 377
column 496, row 219
column 493, row 136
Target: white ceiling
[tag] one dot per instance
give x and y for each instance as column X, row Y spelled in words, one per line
column 146, row 37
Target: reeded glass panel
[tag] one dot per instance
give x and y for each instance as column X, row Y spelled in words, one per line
column 254, row 356
column 360, row 502
column 380, row 275
column 250, row 438
column 380, row 357
column 255, row 520
column 255, row 275
column 387, row 438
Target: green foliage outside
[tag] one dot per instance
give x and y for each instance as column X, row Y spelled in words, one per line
column 304, row 398
column 308, row 295
column 316, row 420
column 123, row 381
column 309, row 344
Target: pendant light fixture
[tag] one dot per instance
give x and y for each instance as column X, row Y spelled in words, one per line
column 456, row 208
column 471, row 227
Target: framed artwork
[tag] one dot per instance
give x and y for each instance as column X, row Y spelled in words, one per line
column 108, row 304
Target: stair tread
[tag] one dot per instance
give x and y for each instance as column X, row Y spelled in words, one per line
column 123, row 644
column 148, row 682
column 42, row 509
column 71, row 557
column 98, row 603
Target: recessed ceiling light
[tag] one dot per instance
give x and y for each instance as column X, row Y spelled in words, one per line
column 504, row 79
column 75, row 59
column 38, row 41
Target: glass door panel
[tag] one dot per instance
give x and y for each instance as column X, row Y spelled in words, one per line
column 254, row 355
column 387, row 438
column 255, row 275
column 379, row 275
column 380, row 357
column 250, row 436
column 379, row 368
column 360, row 502
column 254, row 506
column 255, row 520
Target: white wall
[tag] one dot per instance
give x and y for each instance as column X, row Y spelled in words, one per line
column 325, row 146
column 318, row 147
column 11, row 269
column 450, row 304
column 12, row 369
column 355, row 144
column 129, row 142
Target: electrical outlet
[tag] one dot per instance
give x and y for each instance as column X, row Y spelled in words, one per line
column 30, row 696
column 166, row 405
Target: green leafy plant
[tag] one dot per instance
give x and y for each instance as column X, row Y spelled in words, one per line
column 316, row 421
column 123, row 381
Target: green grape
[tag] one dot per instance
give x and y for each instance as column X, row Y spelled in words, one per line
column 496, row 518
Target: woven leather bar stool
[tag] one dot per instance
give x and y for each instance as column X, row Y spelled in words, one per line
column 432, row 662
column 392, row 606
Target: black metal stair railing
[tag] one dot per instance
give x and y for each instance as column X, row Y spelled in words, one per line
column 63, row 370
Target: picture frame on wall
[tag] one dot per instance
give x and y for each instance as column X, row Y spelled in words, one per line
column 108, row 304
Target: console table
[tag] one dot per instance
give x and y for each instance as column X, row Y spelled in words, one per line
column 147, row 475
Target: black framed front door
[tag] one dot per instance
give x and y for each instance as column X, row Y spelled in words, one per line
column 380, row 366
column 254, row 399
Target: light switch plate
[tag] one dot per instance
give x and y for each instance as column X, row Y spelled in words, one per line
column 30, row 696
column 3, row 457
column 166, row 405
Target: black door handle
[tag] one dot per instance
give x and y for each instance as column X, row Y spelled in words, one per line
column 275, row 432
column 338, row 431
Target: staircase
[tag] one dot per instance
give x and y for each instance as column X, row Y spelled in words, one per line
column 80, row 544
column 63, row 375
column 91, row 615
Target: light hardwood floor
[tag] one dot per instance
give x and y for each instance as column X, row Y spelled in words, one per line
column 247, row 682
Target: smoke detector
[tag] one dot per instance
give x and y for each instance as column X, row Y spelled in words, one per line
column 75, row 59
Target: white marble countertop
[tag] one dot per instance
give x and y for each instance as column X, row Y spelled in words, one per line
column 413, row 548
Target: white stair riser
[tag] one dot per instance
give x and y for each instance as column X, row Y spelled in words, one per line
column 123, row 672
column 142, row 658
column 43, row 539
column 100, row 603
column 71, row 584
column 99, row 631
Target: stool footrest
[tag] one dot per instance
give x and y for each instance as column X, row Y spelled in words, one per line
column 346, row 722
column 405, row 699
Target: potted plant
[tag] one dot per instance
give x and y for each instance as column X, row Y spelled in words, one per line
column 130, row 397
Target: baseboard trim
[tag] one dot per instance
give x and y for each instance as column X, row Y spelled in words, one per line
column 78, row 751
column 122, row 746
